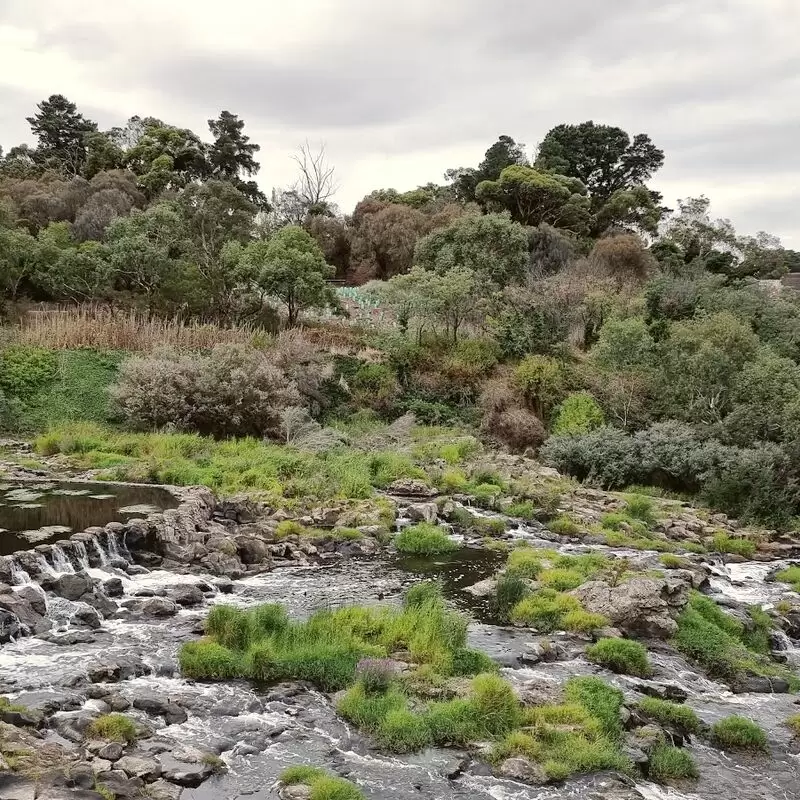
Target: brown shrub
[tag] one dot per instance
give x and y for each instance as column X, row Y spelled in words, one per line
column 232, row 391
column 506, row 419
column 622, row 256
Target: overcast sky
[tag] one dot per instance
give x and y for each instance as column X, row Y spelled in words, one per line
column 401, row 91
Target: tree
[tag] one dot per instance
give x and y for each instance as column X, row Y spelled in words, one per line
column 102, row 154
column 533, row 197
column 231, row 156
column 491, row 246
column 634, row 210
column 19, row 257
column 315, row 184
column 384, row 241
column 291, row 268
column 505, row 152
column 602, row 157
column 166, row 157
column 61, row 131
column 451, row 297
column 216, row 217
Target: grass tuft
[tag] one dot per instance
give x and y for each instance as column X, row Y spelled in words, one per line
column 424, row 539
column 113, row 728
column 669, row 763
column 621, row 655
column 739, row 733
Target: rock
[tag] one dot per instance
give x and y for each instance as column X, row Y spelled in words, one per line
column 423, row 512
column 640, row 606
column 148, row 769
column 159, row 607
column 21, row 719
column 187, row 595
column 34, row 597
column 484, row 588
column 70, row 587
column 252, row 550
column 15, row 787
column 523, row 770
column 111, row 751
column 114, row 587
column 297, row 792
column 88, row 616
column 223, row 585
column 175, row 715
column 761, row 685
column 10, row 627
column 664, row 691
column 153, row 704
column 186, row 767
column 120, row 785
column 411, row 487
column 161, row 790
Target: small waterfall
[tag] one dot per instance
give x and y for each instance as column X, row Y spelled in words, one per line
column 18, row 575
column 113, row 545
column 81, row 555
column 101, row 554
column 61, row 563
column 45, row 567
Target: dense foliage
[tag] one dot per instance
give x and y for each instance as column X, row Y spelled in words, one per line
column 531, row 297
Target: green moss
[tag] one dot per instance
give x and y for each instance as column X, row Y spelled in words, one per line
column 621, row 655
column 666, row 713
column 739, row 733
column 424, row 539
column 112, row 728
column 669, row 763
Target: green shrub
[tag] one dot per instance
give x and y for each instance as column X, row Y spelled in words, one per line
column 723, row 543
column 541, row 380
column 666, row 713
column 113, row 728
column 641, row 507
column 24, row 370
column 564, row 525
column 424, row 539
column 669, row 763
column 621, row 655
column 478, row 354
column 738, row 733
column 579, row 413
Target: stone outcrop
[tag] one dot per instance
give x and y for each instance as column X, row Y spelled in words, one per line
column 640, row 606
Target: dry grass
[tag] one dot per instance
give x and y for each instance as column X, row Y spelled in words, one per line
column 110, row 329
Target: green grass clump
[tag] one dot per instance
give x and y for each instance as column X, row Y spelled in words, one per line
column 278, row 473
column 793, row 723
column 562, row 580
column 738, row 733
column 424, row 539
column 323, row 786
column 669, row 763
column 667, row 713
column 671, row 561
column 524, row 562
column 547, row 610
column 724, row 647
column 790, row 575
column 209, row 661
column 723, row 543
column 403, row 731
column 509, row 591
column 641, row 507
column 112, row 728
column 495, row 703
column 621, row 655
column 522, row 510
column 7, row 705
column 564, row 525
column 289, row 527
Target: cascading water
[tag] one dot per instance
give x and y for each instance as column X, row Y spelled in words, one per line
column 61, row 563
column 18, row 575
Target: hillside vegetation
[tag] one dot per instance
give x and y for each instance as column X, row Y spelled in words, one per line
column 548, row 303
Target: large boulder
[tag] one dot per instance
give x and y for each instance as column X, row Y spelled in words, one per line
column 640, row 607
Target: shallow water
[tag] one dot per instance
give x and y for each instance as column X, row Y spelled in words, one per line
column 259, row 731
column 40, row 512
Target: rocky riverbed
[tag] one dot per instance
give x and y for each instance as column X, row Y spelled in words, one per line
column 96, row 629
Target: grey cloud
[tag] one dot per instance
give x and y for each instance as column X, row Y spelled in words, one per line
column 392, row 81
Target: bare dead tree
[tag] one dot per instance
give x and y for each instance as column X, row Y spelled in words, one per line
column 316, row 183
